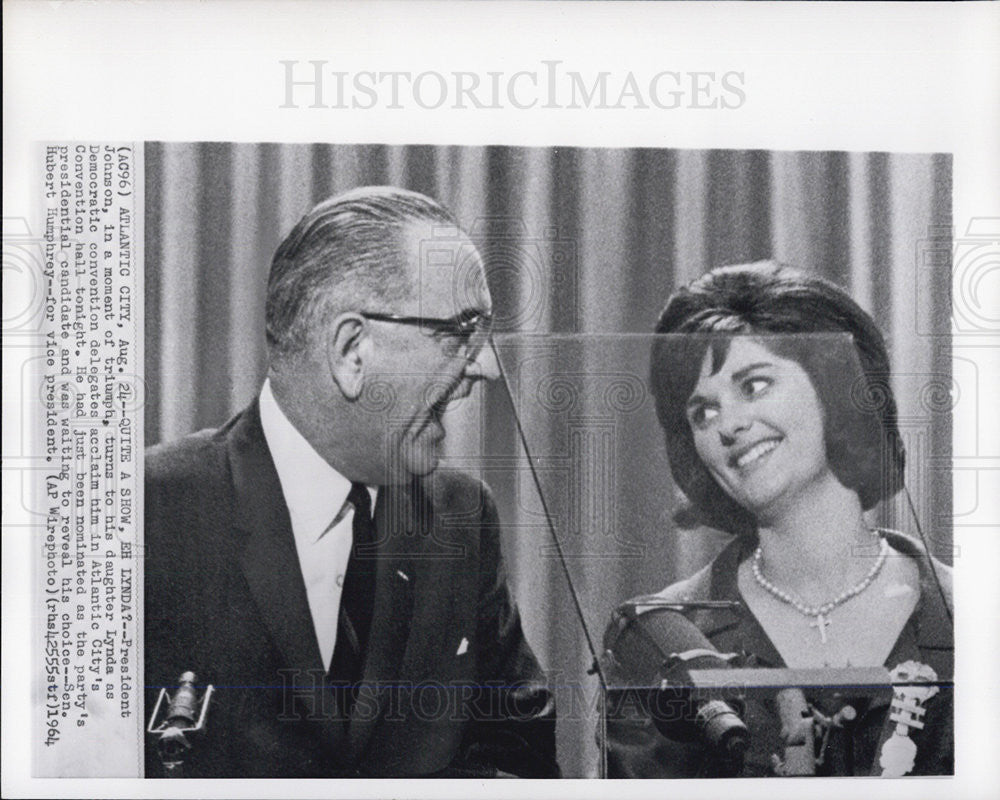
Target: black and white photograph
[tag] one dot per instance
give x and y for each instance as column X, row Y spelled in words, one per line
column 681, row 337
column 557, row 392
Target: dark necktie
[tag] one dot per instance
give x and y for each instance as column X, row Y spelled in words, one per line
column 356, row 599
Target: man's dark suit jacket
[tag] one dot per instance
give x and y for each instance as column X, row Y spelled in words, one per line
column 450, row 685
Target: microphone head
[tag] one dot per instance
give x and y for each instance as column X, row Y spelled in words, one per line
column 722, row 728
column 657, row 648
column 647, row 643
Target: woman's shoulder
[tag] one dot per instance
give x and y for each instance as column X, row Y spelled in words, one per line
column 714, row 581
column 702, row 585
column 694, row 587
column 933, row 573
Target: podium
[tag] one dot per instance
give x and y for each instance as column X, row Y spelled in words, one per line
column 849, row 721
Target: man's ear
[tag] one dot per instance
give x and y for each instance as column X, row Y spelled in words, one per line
column 346, row 348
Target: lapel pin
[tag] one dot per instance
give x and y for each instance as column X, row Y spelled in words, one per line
column 462, row 647
column 402, row 575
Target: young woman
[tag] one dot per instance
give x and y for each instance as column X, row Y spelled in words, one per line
column 786, row 441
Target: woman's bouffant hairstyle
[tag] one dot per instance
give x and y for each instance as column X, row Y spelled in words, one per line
column 850, row 374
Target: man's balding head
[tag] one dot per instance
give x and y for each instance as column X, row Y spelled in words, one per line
column 346, row 253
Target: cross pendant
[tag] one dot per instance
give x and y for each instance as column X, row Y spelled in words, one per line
column 820, row 623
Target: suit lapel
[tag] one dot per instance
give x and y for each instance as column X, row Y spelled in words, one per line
column 269, row 560
column 270, row 565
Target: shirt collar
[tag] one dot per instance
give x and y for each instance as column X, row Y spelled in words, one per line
column 314, row 491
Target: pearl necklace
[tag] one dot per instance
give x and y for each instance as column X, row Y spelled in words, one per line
column 821, row 613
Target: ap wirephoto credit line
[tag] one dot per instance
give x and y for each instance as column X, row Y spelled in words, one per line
column 89, row 570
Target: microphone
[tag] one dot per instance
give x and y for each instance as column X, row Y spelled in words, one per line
column 182, row 709
column 183, row 714
column 660, row 648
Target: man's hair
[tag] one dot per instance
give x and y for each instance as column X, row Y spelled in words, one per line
column 850, row 374
column 345, row 254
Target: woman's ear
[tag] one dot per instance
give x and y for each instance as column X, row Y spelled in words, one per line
column 346, row 349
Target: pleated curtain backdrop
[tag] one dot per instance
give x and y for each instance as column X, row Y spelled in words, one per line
column 585, row 241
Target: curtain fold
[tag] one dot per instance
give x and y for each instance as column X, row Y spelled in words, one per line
column 576, row 241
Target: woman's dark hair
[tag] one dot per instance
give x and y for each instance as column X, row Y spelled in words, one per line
column 850, row 374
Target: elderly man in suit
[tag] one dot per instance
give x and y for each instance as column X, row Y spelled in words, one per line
column 347, row 600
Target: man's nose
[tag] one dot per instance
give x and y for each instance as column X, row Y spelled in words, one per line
column 485, row 365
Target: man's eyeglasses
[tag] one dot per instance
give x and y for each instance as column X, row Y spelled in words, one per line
column 470, row 330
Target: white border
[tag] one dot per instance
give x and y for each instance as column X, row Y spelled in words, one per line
column 897, row 77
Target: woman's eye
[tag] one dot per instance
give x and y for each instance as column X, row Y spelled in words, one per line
column 754, row 386
column 701, row 416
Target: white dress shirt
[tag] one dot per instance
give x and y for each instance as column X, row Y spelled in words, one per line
column 322, row 524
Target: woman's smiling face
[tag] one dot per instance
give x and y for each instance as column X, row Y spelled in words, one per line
column 758, row 427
